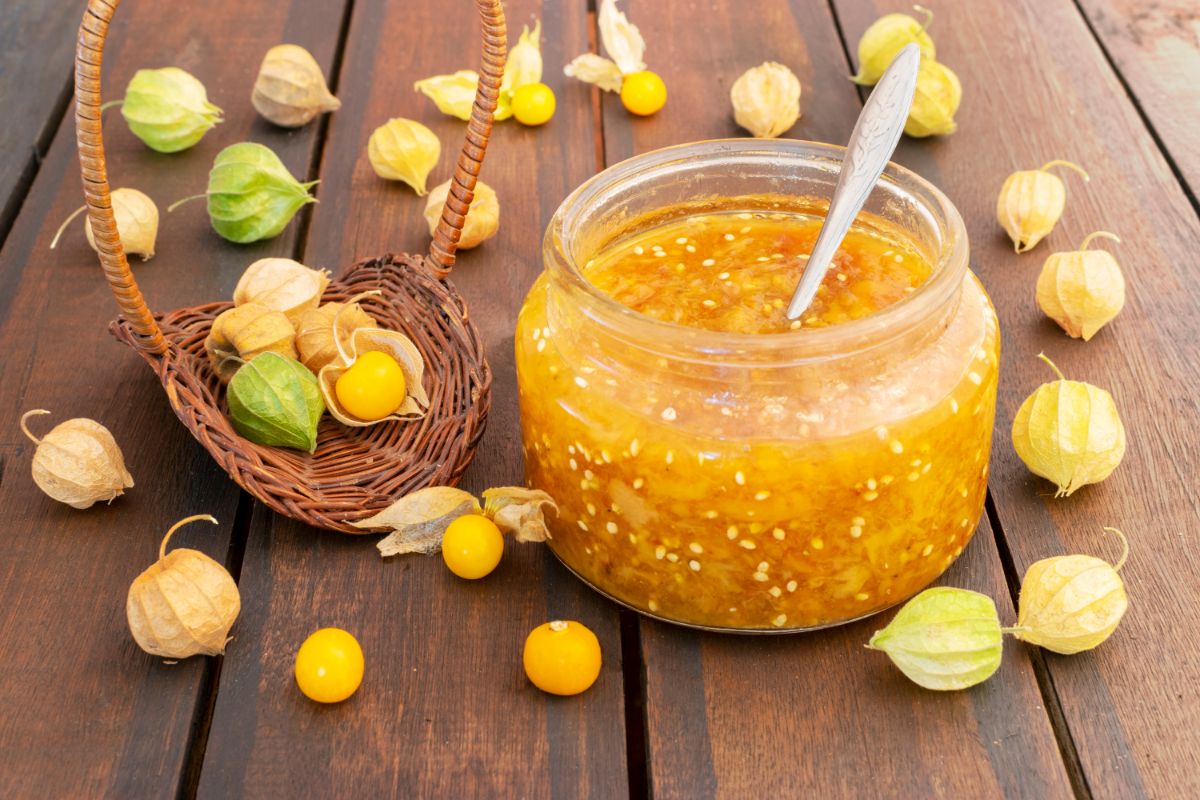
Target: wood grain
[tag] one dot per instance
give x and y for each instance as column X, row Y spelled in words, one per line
column 33, row 89
column 445, row 709
column 86, row 713
column 1037, row 87
column 812, row 714
column 1155, row 46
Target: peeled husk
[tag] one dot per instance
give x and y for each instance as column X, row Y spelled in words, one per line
column 78, row 462
column 944, row 639
column 183, row 604
column 314, row 332
column 1069, row 432
column 136, row 217
column 290, row 89
column 404, row 150
column 625, row 47
column 244, row 331
column 766, row 99
column 483, row 217
column 885, row 38
column 1069, row 604
column 935, row 101
column 1082, row 290
column 519, row 511
column 281, row 284
column 1031, row 202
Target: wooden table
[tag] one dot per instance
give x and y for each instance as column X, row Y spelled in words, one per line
column 445, row 709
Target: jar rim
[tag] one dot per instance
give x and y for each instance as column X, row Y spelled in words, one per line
column 949, row 266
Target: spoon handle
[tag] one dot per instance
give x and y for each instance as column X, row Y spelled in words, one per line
column 872, row 143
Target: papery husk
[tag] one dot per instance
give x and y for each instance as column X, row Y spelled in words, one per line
column 519, row 511
column 944, row 639
column 290, row 89
column 245, row 331
column 404, row 150
column 419, row 520
column 314, row 332
column 482, row 220
column 935, row 101
column 1069, row 604
column 275, row 401
column 251, row 194
column 78, row 462
column 1031, row 202
column 183, row 604
column 1082, row 290
column 766, row 99
column 597, row 70
column 621, row 38
column 524, row 63
column 1069, row 432
column 885, row 38
column 454, row 94
column 281, row 284
column 168, row 109
column 136, row 217
column 394, row 344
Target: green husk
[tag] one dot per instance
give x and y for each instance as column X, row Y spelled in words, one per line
column 168, row 109
column 275, row 401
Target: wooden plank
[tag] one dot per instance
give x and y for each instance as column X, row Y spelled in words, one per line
column 33, row 90
column 813, row 714
column 445, row 709
column 86, row 713
column 1156, row 48
column 1037, row 87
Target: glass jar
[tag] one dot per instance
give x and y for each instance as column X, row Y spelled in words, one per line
column 756, row 482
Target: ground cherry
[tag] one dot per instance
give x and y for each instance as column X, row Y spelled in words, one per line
column 329, row 665
column 373, row 387
column 533, row 104
column 643, row 93
column 562, row 657
column 472, row 546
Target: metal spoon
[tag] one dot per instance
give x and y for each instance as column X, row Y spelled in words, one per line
column 872, row 143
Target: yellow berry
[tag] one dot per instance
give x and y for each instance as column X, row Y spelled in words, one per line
column 329, row 665
column 643, row 93
column 373, row 387
column 562, row 657
column 533, row 104
column 472, row 546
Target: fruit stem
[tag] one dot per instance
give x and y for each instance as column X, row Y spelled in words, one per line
column 178, row 203
column 1057, row 371
column 1124, row 549
column 928, row 18
column 1094, row 234
column 25, row 430
column 162, row 548
column 58, row 233
column 110, row 104
column 1061, row 163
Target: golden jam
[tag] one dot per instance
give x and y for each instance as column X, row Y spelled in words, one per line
column 750, row 491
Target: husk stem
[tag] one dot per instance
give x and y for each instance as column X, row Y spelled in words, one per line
column 162, row 548
column 58, row 233
column 111, row 103
column 1095, row 234
column 1124, row 548
column 337, row 340
column 928, row 18
column 1015, row 629
column 25, row 429
column 178, row 203
column 1057, row 371
column 1069, row 164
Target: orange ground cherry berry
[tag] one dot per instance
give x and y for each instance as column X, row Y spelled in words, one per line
column 472, row 546
column 533, row 104
column 643, row 93
column 562, row 657
column 373, row 387
column 329, row 665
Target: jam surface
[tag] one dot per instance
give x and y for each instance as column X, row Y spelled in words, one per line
column 762, row 497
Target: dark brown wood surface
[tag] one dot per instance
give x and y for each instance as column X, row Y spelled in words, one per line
column 445, row 709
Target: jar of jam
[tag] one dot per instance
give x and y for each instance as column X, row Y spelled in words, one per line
column 718, row 465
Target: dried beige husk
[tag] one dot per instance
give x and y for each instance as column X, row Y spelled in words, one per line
column 404, row 150
column 1082, row 290
column 1031, row 202
column 314, row 332
column 184, row 604
column 482, row 220
column 243, row 332
column 137, row 223
column 78, row 462
column 625, row 47
column 281, row 284
column 935, row 101
column 519, row 511
column 766, row 99
column 290, row 89
column 1069, row 604
column 1069, row 432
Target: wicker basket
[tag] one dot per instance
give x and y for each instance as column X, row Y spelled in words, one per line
column 354, row 472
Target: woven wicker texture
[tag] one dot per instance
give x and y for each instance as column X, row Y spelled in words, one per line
column 354, row 472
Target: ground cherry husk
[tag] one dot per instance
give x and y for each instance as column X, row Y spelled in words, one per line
column 1031, row 202
column 935, row 101
column 643, row 93
column 1082, row 290
column 373, row 387
column 78, row 462
column 329, row 665
column 885, row 38
column 472, row 546
column 562, row 657
column 533, row 104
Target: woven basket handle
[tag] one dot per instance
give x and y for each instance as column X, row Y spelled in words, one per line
column 89, row 54
column 479, row 128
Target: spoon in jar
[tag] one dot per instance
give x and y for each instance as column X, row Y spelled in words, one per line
column 874, row 139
